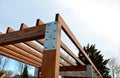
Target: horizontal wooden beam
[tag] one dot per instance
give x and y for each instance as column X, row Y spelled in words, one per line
column 64, row 47
column 18, row 59
column 73, row 68
column 10, row 52
column 24, row 47
column 22, row 52
column 28, row 34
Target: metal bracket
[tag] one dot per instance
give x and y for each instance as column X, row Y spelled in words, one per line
column 89, row 71
column 50, row 36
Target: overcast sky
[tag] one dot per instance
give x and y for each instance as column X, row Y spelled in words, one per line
column 92, row 21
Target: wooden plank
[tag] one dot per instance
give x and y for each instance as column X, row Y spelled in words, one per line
column 23, row 47
column 31, row 44
column 2, row 49
column 74, row 40
column 73, row 77
column 64, row 47
column 29, row 50
column 50, row 68
column 73, row 68
column 17, row 58
column 21, row 52
column 23, row 35
column 66, row 59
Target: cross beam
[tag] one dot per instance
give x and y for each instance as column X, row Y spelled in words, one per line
column 28, row 34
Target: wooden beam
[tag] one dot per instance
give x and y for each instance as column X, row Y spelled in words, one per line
column 64, row 47
column 73, row 77
column 23, row 35
column 20, row 51
column 66, row 59
column 73, row 68
column 2, row 49
column 77, row 71
column 74, row 40
column 24, row 47
column 29, row 43
column 29, row 50
column 17, row 58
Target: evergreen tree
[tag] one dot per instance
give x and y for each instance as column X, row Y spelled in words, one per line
column 25, row 73
column 97, row 59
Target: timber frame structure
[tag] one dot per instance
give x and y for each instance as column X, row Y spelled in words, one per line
column 20, row 45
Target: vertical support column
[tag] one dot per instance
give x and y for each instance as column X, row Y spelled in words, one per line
column 51, row 55
column 89, row 71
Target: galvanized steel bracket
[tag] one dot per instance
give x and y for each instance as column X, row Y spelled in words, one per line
column 50, row 36
column 89, row 71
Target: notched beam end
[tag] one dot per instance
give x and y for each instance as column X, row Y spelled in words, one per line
column 23, row 26
column 56, row 17
column 9, row 29
column 39, row 22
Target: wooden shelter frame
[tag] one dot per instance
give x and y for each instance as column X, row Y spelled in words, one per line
column 19, row 45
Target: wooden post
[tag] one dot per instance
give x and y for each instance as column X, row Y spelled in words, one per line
column 51, row 55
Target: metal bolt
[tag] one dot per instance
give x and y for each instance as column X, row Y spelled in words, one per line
column 45, row 47
column 54, row 30
column 47, row 31
column 48, row 24
column 54, row 22
column 53, row 46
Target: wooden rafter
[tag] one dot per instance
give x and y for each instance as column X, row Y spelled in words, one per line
column 23, row 35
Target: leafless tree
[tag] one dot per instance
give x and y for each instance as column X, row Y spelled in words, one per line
column 8, row 73
column 20, row 67
column 3, row 62
column 114, row 67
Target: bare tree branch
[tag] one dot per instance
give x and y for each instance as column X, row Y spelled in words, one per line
column 3, row 62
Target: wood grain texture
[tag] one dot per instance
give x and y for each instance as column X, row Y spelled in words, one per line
column 23, row 35
column 10, row 52
column 64, row 47
column 18, row 58
column 73, row 68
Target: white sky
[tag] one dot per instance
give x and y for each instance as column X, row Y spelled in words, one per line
column 92, row 21
column 97, row 22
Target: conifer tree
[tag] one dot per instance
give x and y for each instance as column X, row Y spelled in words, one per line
column 25, row 73
column 97, row 59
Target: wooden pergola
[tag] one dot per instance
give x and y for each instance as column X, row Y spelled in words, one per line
column 20, row 45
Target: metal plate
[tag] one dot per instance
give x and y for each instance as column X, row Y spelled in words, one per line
column 50, row 36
